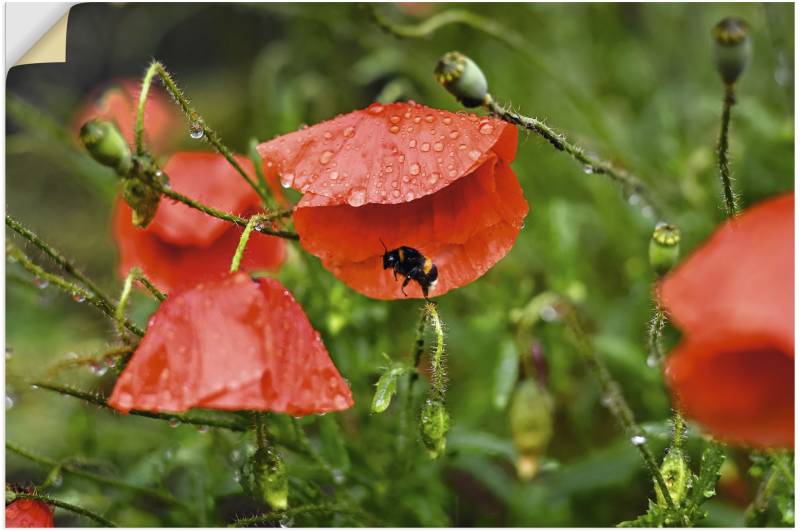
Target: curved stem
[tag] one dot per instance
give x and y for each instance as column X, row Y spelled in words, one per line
column 58, row 503
column 78, row 292
column 731, row 203
column 145, row 90
column 77, row 471
column 237, row 256
column 122, row 351
column 57, row 257
column 630, row 184
column 288, row 513
column 119, row 314
column 232, row 218
column 157, row 293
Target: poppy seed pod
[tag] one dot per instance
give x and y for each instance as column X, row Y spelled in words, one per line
column 531, row 417
column 462, row 78
column 143, row 201
column 677, row 476
column 664, row 247
column 105, row 144
column 434, row 424
column 264, row 477
column 732, row 48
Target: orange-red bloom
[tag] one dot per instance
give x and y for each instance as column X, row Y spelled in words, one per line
column 118, row 104
column 28, row 513
column 183, row 246
column 734, row 301
column 410, row 175
column 231, row 343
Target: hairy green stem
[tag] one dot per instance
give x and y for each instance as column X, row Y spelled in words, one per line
column 139, row 275
column 438, row 369
column 119, row 314
column 779, row 462
column 194, row 118
column 731, row 203
column 237, row 256
column 194, row 419
column 103, row 357
column 655, row 331
column 15, row 253
column 615, row 401
column 232, row 218
column 11, row 496
column 77, row 471
column 288, row 513
column 57, row 257
column 630, row 184
column 259, row 420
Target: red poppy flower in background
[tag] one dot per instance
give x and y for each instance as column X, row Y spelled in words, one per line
column 28, row 513
column 183, row 246
column 231, row 343
column 437, row 181
column 118, row 104
column 734, row 301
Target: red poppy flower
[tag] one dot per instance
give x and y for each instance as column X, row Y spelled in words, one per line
column 231, row 343
column 118, row 104
column 183, row 246
column 408, row 175
column 734, row 300
column 28, row 513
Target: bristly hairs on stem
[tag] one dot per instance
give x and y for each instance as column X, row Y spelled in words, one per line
column 730, row 197
column 237, row 256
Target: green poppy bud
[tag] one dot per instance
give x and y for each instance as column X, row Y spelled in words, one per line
column 462, row 78
column 105, row 144
column 664, row 247
column 732, row 48
column 434, row 422
column 264, row 477
column 677, row 476
column 531, row 417
column 142, row 199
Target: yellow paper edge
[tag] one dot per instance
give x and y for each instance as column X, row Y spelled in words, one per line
column 51, row 47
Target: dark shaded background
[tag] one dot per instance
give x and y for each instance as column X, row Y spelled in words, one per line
column 634, row 83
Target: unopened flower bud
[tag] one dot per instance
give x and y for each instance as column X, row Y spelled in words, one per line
column 531, row 417
column 142, row 199
column 462, row 78
column 106, row 145
column 732, row 48
column 264, row 477
column 677, row 476
column 664, row 247
column 434, row 424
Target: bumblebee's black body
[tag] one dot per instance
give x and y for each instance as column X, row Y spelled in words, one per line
column 413, row 265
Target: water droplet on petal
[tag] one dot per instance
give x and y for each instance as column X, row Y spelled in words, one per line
column 414, row 169
column 326, row 157
column 395, row 119
column 429, row 118
column 438, row 146
column 357, row 197
column 447, row 120
column 474, row 154
column 425, row 147
column 375, row 108
column 287, row 180
column 394, row 129
column 409, row 196
column 412, row 143
column 334, row 175
column 433, row 178
column 328, row 135
column 486, row 128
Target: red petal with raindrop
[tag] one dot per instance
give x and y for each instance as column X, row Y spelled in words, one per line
column 182, row 246
column 28, row 513
column 232, row 343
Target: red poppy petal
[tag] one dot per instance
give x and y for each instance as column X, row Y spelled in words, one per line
column 28, row 513
column 171, row 267
column 388, row 154
column 742, row 278
column 464, row 229
column 231, row 344
column 210, row 179
column 741, row 388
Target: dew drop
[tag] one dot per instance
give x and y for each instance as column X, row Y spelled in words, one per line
column 412, row 143
column 409, row 196
column 429, row 118
column 196, row 130
column 401, row 158
column 396, row 192
column 57, row 480
column 548, row 314
column 414, row 169
column 173, row 423
column 438, row 146
column 474, row 154
column 202, row 429
column 425, row 147
column 98, row 368
column 326, row 157
column 334, row 175
column 349, row 132
column 588, row 170
column 9, row 402
column 452, row 173
column 453, row 134
column 447, row 120
column 486, row 128
column 328, row 135
column 433, row 178
column 41, row 284
column 394, row 129
column 388, row 169
column 406, row 178
column 78, row 297
column 395, row 119
column 638, row 440
column 375, row 108
column 417, row 119
column 652, row 361
column 357, row 197
column 287, row 179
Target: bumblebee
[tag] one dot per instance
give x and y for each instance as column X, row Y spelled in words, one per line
column 411, row 264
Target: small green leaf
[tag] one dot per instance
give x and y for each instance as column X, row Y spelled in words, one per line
column 386, row 388
column 506, row 373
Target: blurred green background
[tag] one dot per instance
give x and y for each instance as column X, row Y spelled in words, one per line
column 633, row 83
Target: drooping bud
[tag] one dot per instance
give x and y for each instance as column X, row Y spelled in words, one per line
column 263, row 476
column 142, row 199
column 531, row 417
column 664, row 247
column 677, row 476
column 106, row 145
column 434, row 422
column 462, row 78
column 732, row 48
